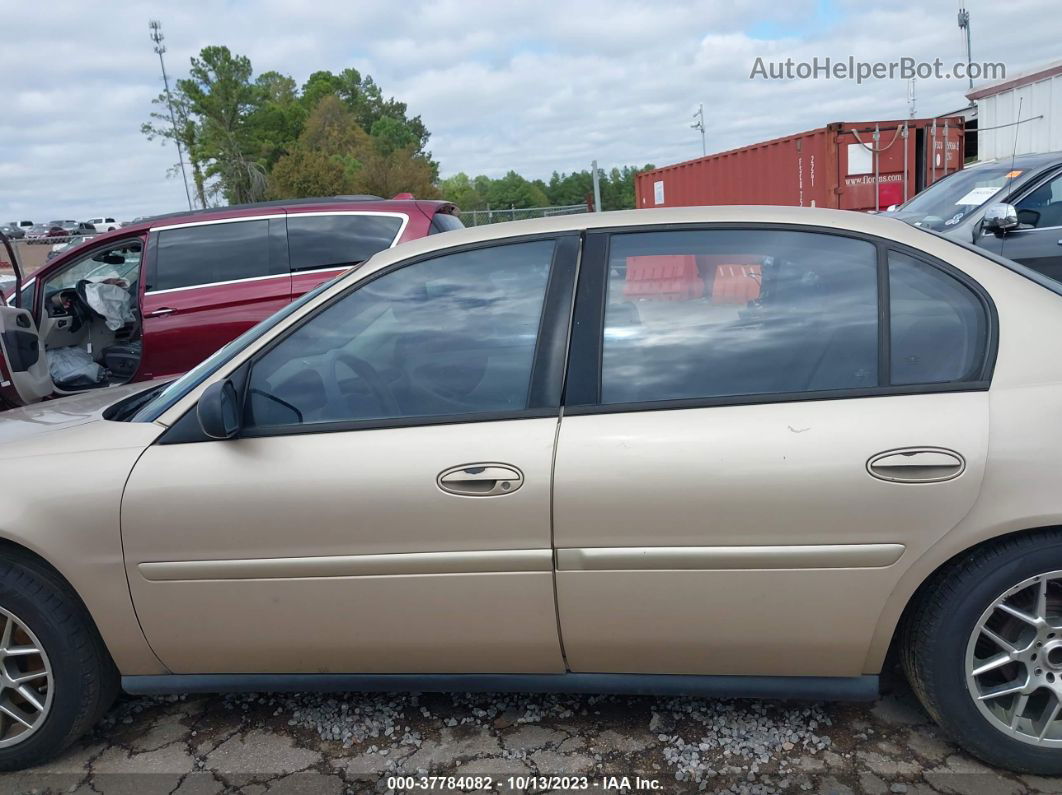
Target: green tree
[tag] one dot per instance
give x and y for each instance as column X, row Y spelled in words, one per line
column 221, row 95
column 181, row 128
column 462, row 191
column 327, row 157
column 512, row 190
column 277, row 118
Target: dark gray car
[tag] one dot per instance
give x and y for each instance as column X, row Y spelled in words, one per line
column 965, row 206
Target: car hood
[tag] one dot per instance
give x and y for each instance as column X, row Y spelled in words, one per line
column 54, row 423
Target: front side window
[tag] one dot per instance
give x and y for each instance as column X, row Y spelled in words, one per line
column 1043, row 207
column 452, row 335
column 338, row 241
column 119, row 264
column 211, row 253
column 714, row 313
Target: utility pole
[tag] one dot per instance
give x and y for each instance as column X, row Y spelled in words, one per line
column 911, row 85
column 156, row 36
column 597, row 188
column 698, row 124
column 964, row 24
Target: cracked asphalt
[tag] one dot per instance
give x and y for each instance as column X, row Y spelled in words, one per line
column 351, row 743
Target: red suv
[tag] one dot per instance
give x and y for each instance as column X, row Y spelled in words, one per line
column 155, row 298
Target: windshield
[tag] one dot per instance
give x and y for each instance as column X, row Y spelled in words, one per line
column 194, row 377
column 947, row 202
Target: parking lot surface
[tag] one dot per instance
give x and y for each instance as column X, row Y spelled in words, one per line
column 351, row 743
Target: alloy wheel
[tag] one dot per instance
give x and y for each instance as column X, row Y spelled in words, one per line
column 1014, row 661
column 26, row 681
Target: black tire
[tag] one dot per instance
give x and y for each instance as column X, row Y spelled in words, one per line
column 84, row 676
column 938, row 628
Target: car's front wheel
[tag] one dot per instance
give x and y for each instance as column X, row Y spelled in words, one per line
column 56, row 677
column 982, row 648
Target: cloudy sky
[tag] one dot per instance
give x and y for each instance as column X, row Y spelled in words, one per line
column 533, row 86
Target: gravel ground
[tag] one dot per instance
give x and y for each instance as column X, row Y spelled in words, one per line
column 322, row 743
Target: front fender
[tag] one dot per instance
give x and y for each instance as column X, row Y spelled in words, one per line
column 60, row 497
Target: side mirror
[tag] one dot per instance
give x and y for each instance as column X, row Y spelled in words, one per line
column 219, row 411
column 1000, row 218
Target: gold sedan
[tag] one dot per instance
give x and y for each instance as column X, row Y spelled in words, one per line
column 719, row 451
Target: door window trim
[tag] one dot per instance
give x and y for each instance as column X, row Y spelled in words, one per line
column 548, row 362
column 404, row 222
column 403, row 217
column 583, row 387
column 279, row 269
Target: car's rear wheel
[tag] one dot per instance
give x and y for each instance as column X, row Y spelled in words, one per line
column 982, row 648
column 56, row 678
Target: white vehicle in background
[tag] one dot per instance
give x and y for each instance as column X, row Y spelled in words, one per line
column 76, row 240
column 105, row 223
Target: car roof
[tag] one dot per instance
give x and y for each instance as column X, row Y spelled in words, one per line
column 334, row 203
column 842, row 220
column 327, row 203
column 1030, row 161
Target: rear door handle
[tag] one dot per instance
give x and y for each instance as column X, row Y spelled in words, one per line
column 480, row 480
column 165, row 310
column 917, row 465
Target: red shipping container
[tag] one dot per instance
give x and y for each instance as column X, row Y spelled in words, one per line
column 664, row 277
column 827, row 167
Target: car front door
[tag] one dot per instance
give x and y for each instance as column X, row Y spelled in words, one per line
column 386, row 507
column 771, row 424
column 24, row 376
column 207, row 283
column 1037, row 242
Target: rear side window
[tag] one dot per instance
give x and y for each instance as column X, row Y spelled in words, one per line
column 213, row 253
column 713, row 313
column 338, row 241
column 938, row 326
column 444, row 222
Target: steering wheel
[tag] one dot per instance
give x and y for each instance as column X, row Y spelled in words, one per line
column 367, row 373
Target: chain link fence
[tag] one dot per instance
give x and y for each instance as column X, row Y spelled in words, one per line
column 492, row 215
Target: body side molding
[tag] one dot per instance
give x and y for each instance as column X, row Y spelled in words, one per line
column 814, row 556
column 475, row 561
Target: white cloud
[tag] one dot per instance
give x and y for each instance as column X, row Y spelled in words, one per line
column 534, row 87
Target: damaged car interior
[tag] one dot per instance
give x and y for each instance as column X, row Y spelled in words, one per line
column 89, row 333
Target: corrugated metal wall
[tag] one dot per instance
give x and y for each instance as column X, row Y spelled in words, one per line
column 1042, row 98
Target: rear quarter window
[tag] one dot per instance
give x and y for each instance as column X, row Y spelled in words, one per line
column 444, row 222
column 317, row 242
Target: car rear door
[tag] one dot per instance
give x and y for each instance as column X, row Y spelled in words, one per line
column 206, row 283
column 762, row 426
column 322, row 245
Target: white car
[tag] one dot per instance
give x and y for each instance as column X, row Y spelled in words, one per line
column 106, row 223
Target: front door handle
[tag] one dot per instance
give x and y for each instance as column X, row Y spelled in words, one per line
column 480, row 480
column 917, row 465
column 165, row 310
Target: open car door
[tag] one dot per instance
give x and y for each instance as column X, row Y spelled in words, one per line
column 24, row 376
